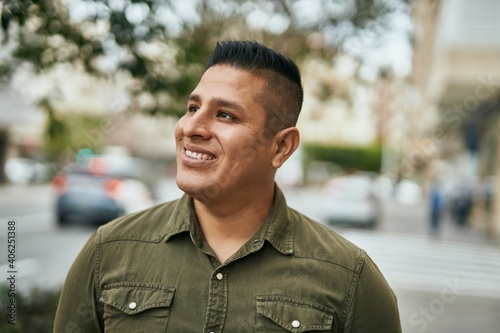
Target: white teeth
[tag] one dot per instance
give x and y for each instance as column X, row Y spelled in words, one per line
column 199, row 156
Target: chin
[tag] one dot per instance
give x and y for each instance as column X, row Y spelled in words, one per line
column 196, row 189
column 185, row 185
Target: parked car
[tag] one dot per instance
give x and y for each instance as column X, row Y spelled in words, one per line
column 352, row 201
column 22, row 171
column 96, row 195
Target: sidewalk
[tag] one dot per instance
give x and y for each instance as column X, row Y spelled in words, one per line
column 414, row 219
column 401, row 218
column 33, row 195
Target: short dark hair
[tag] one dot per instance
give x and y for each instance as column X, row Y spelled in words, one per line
column 283, row 95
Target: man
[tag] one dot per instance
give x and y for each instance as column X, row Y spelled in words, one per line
column 229, row 256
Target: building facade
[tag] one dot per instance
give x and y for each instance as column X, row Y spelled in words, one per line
column 457, row 76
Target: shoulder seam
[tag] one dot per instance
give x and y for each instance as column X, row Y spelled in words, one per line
column 97, row 267
column 328, row 261
column 352, row 288
column 133, row 240
column 330, row 232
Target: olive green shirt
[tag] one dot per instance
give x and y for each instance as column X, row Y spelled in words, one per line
column 152, row 272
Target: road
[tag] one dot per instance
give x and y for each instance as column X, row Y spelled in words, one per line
column 43, row 252
column 448, row 283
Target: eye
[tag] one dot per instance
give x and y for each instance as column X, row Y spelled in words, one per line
column 192, row 108
column 226, row 115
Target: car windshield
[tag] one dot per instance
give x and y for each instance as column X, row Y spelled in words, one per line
column 349, row 187
column 84, row 182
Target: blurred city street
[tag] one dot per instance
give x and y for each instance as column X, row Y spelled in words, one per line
column 399, row 134
column 445, row 283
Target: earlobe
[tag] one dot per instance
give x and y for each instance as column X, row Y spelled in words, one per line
column 287, row 142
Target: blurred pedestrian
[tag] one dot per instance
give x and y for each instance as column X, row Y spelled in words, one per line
column 436, row 204
column 461, row 206
column 229, row 256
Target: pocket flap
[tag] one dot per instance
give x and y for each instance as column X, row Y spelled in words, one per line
column 136, row 297
column 295, row 314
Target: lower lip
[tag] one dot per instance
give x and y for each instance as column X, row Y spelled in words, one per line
column 194, row 162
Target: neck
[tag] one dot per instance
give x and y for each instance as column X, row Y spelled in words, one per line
column 229, row 223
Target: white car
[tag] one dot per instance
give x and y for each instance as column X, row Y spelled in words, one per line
column 351, row 201
column 22, row 171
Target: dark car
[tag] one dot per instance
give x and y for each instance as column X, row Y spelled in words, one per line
column 86, row 197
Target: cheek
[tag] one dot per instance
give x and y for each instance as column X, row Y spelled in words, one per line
column 179, row 128
column 253, row 151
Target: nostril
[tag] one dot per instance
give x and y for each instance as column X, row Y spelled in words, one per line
column 198, row 129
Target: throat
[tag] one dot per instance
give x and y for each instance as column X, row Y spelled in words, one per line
column 223, row 250
column 225, row 238
column 226, row 231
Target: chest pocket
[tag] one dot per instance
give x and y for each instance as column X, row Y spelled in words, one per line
column 288, row 314
column 136, row 307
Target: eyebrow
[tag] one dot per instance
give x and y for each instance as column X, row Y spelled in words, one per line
column 216, row 101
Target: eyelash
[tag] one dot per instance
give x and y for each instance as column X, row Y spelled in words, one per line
column 220, row 114
column 192, row 108
column 226, row 115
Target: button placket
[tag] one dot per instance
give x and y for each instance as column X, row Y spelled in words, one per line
column 217, row 302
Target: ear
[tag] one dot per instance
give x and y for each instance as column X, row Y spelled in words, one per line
column 287, row 141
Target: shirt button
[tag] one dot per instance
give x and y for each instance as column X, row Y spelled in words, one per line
column 295, row 323
column 219, row 276
column 132, row 305
column 256, row 242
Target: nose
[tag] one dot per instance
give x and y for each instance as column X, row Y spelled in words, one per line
column 194, row 125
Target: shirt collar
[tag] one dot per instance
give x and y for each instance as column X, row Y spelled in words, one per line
column 182, row 217
column 278, row 229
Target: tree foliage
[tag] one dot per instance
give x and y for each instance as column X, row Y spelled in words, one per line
column 364, row 158
column 162, row 44
column 35, row 310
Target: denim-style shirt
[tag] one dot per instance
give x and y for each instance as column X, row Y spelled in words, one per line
column 153, row 272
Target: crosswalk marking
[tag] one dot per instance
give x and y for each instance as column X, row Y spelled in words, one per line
column 423, row 263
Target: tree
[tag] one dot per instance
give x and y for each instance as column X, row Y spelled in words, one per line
column 162, row 45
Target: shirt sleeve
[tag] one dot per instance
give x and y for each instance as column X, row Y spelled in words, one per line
column 78, row 305
column 374, row 308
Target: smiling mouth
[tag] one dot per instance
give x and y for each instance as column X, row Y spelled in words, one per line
column 199, row 156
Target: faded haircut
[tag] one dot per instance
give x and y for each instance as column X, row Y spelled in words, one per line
column 283, row 96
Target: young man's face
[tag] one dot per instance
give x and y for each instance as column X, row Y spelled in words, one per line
column 220, row 144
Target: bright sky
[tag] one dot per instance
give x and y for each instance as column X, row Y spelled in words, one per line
column 390, row 49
